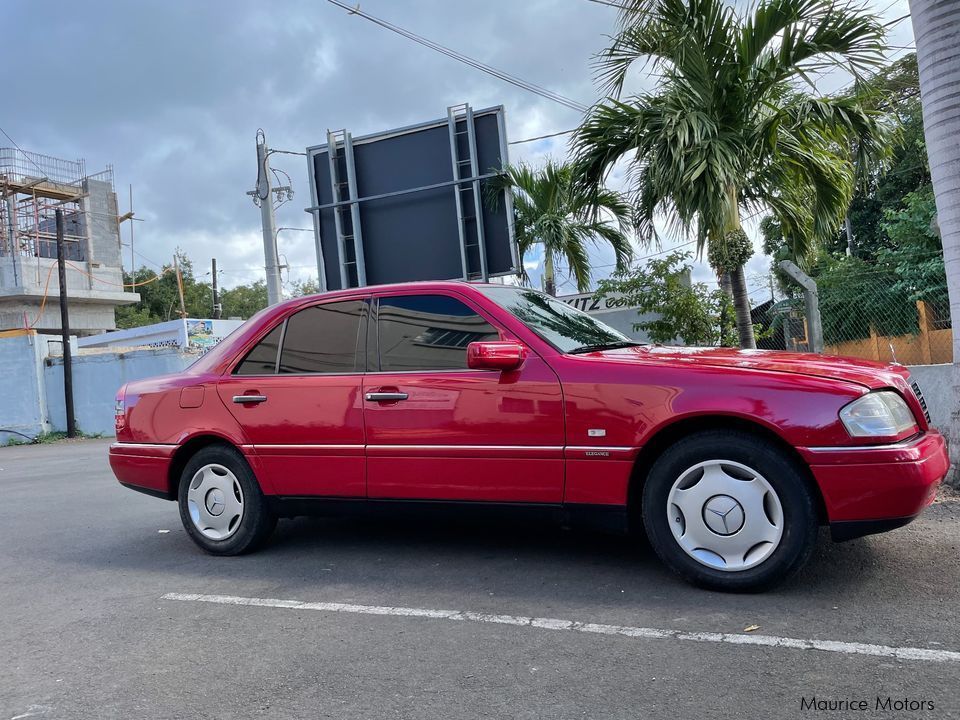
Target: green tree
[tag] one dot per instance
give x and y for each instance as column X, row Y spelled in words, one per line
column 562, row 217
column 881, row 289
column 915, row 258
column 895, row 92
column 299, row 288
column 689, row 311
column 160, row 297
column 730, row 129
column 243, row 301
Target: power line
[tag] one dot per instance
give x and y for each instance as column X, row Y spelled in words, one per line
column 542, row 137
column 608, row 3
column 23, row 152
column 898, row 20
column 460, row 57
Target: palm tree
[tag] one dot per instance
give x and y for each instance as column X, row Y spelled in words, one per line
column 728, row 131
column 935, row 24
column 552, row 211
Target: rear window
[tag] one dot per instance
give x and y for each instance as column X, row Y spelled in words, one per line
column 262, row 359
column 323, row 339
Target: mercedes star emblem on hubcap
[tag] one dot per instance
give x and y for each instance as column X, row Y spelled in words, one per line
column 215, row 501
column 723, row 515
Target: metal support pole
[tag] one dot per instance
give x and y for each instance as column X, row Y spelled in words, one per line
column 477, row 200
column 217, row 308
column 337, row 220
column 264, row 191
column 811, row 301
column 65, row 329
column 12, row 237
column 454, row 157
column 354, row 210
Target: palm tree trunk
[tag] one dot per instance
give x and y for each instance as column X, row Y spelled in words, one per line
column 935, row 24
column 549, row 276
column 725, row 320
column 741, row 303
column 726, row 285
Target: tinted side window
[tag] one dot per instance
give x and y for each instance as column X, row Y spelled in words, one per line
column 428, row 332
column 262, row 359
column 323, row 339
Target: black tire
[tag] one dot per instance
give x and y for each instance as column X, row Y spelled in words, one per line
column 256, row 521
column 784, row 475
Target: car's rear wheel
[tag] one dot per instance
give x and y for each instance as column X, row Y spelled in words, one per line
column 730, row 511
column 221, row 505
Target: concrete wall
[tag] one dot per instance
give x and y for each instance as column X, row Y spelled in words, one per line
column 23, row 407
column 936, row 382
column 96, row 379
column 100, row 204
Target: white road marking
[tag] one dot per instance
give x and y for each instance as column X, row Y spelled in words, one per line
column 836, row 646
column 33, row 711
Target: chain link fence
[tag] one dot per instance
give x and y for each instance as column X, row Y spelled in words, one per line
column 870, row 312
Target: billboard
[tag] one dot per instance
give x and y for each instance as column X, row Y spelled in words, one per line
column 413, row 203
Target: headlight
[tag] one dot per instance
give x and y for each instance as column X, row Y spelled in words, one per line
column 878, row 414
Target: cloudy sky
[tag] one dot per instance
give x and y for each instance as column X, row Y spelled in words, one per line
column 171, row 93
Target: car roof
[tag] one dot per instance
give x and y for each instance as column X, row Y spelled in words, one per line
column 412, row 285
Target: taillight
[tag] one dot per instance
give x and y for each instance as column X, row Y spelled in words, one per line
column 120, row 411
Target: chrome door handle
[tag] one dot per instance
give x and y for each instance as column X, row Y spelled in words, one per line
column 249, row 399
column 385, row 396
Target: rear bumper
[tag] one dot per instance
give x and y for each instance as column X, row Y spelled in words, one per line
column 143, row 467
column 879, row 487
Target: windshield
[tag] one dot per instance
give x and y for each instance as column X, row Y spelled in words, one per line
column 567, row 329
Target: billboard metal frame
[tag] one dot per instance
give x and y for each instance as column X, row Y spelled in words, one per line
column 340, row 145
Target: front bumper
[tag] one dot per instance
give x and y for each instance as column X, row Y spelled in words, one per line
column 144, row 467
column 880, row 487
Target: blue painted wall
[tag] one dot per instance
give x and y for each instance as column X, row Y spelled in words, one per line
column 96, row 379
column 23, row 405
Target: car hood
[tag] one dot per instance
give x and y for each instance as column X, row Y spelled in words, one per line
column 863, row 372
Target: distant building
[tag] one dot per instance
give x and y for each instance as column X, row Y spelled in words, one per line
column 612, row 310
column 32, row 187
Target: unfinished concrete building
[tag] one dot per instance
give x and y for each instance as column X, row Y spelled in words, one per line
column 32, row 187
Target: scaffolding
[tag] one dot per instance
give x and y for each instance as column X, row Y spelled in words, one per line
column 32, row 188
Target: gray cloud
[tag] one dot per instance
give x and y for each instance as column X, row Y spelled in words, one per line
column 172, row 92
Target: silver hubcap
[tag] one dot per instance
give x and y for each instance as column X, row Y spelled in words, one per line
column 725, row 515
column 215, row 501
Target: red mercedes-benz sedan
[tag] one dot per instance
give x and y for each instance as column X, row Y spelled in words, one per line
column 494, row 396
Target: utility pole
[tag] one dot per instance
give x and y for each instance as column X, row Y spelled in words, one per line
column 217, row 309
column 263, row 196
column 65, row 329
column 176, row 269
column 133, row 263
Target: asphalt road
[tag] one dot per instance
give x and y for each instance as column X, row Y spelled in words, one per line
column 87, row 632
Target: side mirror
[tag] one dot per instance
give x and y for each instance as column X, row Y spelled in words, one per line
column 495, row 355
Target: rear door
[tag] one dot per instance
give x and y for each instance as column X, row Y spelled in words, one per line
column 437, row 430
column 297, row 396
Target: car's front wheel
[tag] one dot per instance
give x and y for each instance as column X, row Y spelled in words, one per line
column 729, row 511
column 221, row 505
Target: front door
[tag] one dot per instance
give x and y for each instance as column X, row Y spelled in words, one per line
column 437, row 430
column 297, row 395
